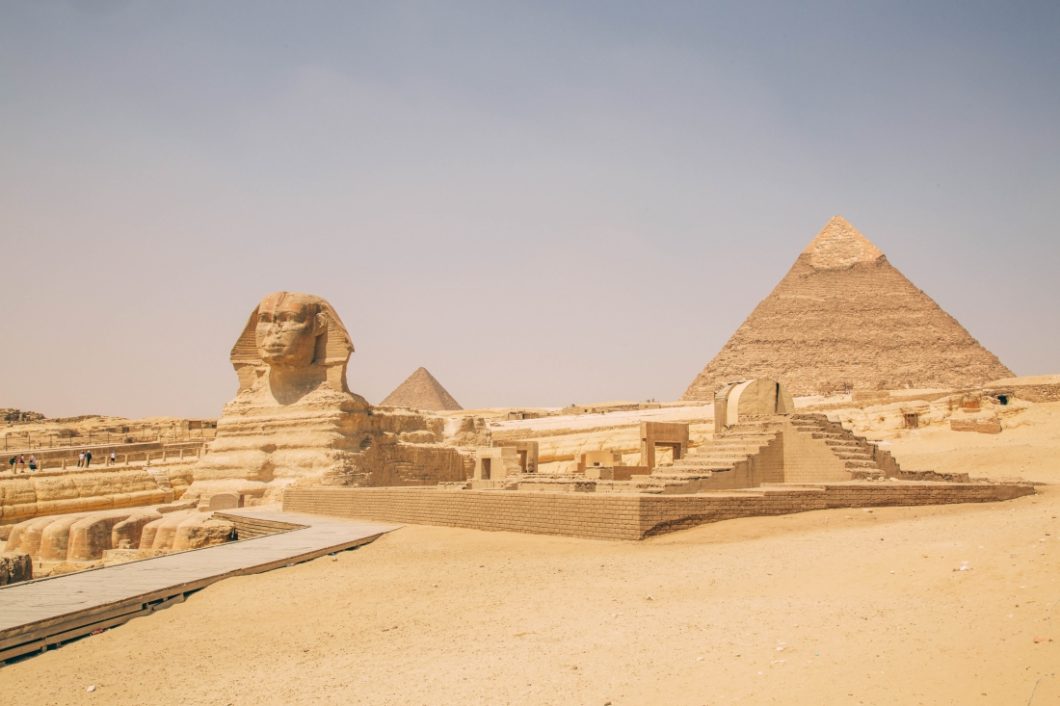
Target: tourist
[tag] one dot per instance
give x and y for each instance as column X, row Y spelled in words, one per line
column 88, row 458
column 22, row 462
column 80, row 459
column 113, row 457
column 32, row 463
column 14, row 459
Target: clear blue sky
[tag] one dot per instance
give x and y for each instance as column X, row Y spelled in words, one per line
column 540, row 202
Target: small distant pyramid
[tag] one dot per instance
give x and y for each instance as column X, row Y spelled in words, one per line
column 421, row 391
column 844, row 318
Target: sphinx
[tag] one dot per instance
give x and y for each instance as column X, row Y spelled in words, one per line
column 293, row 417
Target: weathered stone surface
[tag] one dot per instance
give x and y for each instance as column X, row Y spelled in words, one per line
column 224, row 501
column 750, row 398
column 78, row 538
column 196, row 532
column 14, row 567
column 293, row 416
column 844, row 318
column 24, row 497
column 421, row 390
column 126, row 533
column 294, row 420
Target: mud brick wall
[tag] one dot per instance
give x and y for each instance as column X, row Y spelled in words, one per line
column 876, row 495
column 572, row 514
column 630, row 517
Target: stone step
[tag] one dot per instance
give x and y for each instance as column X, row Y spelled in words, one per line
column 866, row 474
column 677, row 478
column 746, row 437
column 695, row 468
column 716, row 455
column 856, row 457
column 844, row 441
column 739, row 441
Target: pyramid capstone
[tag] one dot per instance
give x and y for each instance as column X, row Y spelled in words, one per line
column 840, row 245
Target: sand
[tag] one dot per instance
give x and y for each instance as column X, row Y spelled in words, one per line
column 840, row 606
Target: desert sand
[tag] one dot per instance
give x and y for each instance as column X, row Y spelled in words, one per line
column 839, row 606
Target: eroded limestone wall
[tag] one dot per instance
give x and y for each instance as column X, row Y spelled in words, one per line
column 32, row 495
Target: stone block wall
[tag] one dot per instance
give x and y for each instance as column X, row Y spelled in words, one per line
column 573, row 514
column 627, row 517
column 983, row 426
column 809, row 460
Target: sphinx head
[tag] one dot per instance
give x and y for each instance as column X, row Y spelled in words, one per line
column 293, row 333
column 290, row 329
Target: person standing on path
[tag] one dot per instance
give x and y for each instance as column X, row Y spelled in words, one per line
column 32, row 463
column 81, row 459
column 113, row 457
column 88, row 458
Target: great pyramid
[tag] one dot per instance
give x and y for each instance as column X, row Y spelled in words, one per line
column 421, row 391
column 844, row 318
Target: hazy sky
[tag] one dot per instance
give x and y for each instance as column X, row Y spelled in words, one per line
column 542, row 203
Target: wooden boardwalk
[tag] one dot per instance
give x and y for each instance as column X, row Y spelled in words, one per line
column 38, row 614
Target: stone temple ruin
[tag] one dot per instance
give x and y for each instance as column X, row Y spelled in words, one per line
column 758, row 440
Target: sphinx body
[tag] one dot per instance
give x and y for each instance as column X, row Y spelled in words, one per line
column 293, row 418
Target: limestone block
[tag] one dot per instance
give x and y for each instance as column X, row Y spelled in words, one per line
column 14, row 567
column 200, row 530
column 55, row 539
column 161, row 533
column 91, row 535
column 734, row 402
column 224, row 501
column 418, row 437
column 26, row 536
column 126, row 533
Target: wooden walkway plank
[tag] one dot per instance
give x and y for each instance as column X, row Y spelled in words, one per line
column 47, row 611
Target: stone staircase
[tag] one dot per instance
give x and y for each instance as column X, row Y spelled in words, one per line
column 751, row 453
column 861, row 458
column 706, row 465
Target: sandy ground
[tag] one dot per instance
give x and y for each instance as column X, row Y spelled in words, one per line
column 1028, row 449
column 834, row 607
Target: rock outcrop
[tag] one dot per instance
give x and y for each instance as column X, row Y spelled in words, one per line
column 15, row 567
column 844, row 318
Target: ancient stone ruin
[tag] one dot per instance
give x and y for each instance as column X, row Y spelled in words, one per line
column 844, row 318
column 294, row 420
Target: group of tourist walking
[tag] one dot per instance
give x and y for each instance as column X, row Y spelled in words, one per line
column 19, row 462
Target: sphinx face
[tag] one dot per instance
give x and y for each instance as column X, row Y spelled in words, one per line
column 287, row 330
